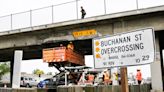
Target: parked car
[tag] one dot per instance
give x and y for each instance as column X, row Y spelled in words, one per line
column 43, row 83
column 28, row 82
column 59, row 79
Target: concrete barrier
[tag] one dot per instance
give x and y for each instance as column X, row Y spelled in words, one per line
column 78, row 89
column 5, row 89
column 62, row 89
column 103, row 88
column 24, row 90
column 145, row 88
column 140, row 88
column 100, row 88
column 46, row 90
column 156, row 91
column 89, row 89
column 41, row 90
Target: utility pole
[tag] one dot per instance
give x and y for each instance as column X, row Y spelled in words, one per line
column 124, row 80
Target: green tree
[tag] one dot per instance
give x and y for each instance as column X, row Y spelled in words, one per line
column 4, row 68
column 38, row 72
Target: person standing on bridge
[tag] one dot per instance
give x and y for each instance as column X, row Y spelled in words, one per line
column 83, row 13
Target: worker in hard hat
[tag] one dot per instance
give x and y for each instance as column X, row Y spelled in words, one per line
column 70, row 46
column 106, row 77
column 115, row 79
column 91, row 78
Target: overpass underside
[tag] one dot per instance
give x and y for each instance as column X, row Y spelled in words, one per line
column 84, row 47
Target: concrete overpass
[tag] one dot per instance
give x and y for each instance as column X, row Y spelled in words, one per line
column 33, row 39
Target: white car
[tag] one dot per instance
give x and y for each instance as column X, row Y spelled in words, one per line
column 28, row 82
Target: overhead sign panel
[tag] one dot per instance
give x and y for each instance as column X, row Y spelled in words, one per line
column 84, row 33
column 132, row 48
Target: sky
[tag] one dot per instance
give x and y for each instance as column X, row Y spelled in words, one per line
column 28, row 66
column 66, row 12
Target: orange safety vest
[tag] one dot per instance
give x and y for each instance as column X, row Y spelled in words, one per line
column 139, row 76
column 91, row 78
column 106, row 76
column 70, row 46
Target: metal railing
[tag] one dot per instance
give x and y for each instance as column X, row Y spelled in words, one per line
column 71, row 11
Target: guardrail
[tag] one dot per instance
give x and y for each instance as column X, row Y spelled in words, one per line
column 71, row 11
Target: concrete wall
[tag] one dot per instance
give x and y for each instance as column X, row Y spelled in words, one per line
column 109, row 88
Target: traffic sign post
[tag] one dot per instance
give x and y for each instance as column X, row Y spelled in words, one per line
column 131, row 48
column 124, row 80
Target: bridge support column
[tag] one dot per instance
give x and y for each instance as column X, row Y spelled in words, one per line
column 156, row 76
column 18, row 54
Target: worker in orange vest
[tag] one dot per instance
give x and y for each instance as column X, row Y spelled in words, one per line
column 106, row 77
column 139, row 76
column 70, row 46
column 91, row 78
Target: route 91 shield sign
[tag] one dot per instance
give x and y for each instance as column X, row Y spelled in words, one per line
column 132, row 48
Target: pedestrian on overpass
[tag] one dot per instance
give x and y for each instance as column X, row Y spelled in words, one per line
column 83, row 12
